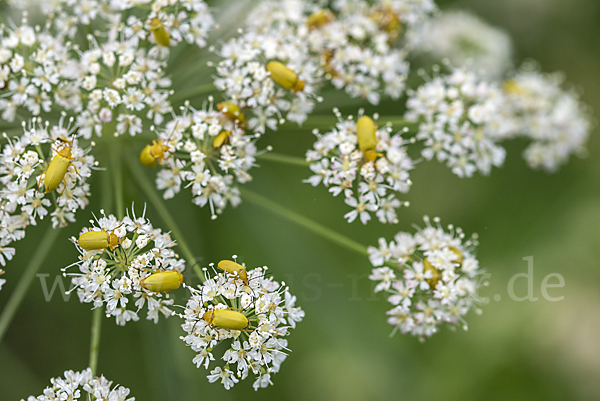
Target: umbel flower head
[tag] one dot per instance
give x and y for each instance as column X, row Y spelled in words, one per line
column 352, row 43
column 207, row 150
column 460, row 122
column 43, row 172
column 126, row 265
column 432, row 277
column 163, row 23
column 82, row 386
column 554, row 119
column 249, row 312
column 464, row 39
column 369, row 166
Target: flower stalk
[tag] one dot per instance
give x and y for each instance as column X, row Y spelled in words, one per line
column 305, row 222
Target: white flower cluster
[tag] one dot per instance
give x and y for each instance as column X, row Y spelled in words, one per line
column 465, row 39
column 460, row 122
column 432, row 278
column 352, row 43
column 248, row 311
column 369, row 184
column 26, row 192
column 122, row 79
column 243, row 77
column 554, row 119
column 36, row 72
column 213, row 155
column 82, row 385
column 118, row 78
column 116, row 268
column 2, row 281
column 188, row 20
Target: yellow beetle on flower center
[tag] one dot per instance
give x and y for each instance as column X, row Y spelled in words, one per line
column 366, row 131
column 226, row 319
column 162, row 281
column 235, row 269
column 285, row 77
column 160, row 33
column 57, row 169
column 94, row 240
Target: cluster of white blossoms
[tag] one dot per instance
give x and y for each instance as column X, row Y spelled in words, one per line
column 126, row 260
column 118, row 79
column 365, row 164
column 270, row 76
column 352, row 43
column 121, row 80
column 554, row 119
column 250, row 313
column 464, row 39
column 207, row 150
column 432, row 277
column 2, row 281
column 162, row 22
column 36, row 72
column 43, row 172
column 82, row 385
column 460, row 122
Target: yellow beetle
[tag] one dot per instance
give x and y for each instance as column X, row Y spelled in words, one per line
column 367, row 137
column 285, row 77
column 319, row 18
column 57, row 169
column 162, row 281
column 221, row 139
column 152, row 154
column 160, row 33
column 94, row 240
column 226, row 319
column 435, row 274
column 387, row 20
column 233, row 112
column 235, row 269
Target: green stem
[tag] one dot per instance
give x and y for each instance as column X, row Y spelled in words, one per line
column 192, row 93
column 42, row 250
column 117, row 178
column 279, row 158
column 95, row 339
column 148, row 188
column 305, row 222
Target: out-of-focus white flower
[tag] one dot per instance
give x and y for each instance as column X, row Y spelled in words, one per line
column 82, row 386
column 465, row 39
column 460, row 122
column 557, row 123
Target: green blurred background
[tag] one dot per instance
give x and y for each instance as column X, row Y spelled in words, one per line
column 515, row 350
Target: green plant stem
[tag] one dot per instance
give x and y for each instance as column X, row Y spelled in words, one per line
column 42, row 250
column 117, row 178
column 95, row 338
column 279, row 158
column 146, row 186
column 192, row 93
column 305, row 222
